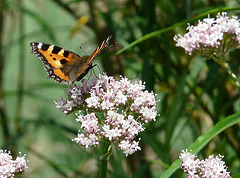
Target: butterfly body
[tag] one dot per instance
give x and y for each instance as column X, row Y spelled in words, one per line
column 62, row 65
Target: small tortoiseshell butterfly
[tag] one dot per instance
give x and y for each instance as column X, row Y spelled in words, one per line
column 62, row 65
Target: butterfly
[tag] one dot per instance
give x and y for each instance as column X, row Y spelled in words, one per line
column 65, row 66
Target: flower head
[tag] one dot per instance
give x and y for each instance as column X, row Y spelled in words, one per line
column 211, row 38
column 214, row 167
column 9, row 167
column 210, row 167
column 125, row 108
column 189, row 164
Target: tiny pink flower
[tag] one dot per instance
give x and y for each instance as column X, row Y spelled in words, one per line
column 93, row 101
column 120, row 98
column 69, row 105
column 111, row 133
column 129, row 147
column 90, row 140
column 75, row 92
column 60, row 102
column 107, row 105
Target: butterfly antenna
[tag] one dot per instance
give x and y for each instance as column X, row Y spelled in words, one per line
column 111, row 45
column 83, row 50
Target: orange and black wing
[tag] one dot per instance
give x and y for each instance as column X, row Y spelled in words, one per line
column 62, row 65
column 58, row 62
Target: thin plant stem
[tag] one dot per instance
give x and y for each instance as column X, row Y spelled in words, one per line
column 3, row 114
column 19, row 103
column 104, row 159
column 21, row 72
column 220, row 60
column 233, row 76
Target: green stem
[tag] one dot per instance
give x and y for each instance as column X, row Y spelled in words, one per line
column 3, row 113
column 233, row 76
column 225, row 65
column 104, row 159
column 20, row 81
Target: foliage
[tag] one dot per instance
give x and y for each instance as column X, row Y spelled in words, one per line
column 199, row 107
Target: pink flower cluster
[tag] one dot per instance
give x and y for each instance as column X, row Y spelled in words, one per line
column 76, row 96
column 211, row 36
column 9, row 167
column 210, row 167
column 125, row 108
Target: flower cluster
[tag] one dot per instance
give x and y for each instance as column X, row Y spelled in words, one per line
column 9, row 167
column 210, row 167
column 124, row 108
column 211, row 37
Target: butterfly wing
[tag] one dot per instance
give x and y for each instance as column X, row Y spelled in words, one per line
column 58, row 62
column 62, row 65
column 83, row 70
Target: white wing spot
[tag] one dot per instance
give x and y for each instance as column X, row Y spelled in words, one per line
column 39, row 45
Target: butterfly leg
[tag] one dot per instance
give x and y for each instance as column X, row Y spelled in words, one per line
column 92, row 71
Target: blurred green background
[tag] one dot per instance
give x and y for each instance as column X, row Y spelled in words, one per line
column 195, row 93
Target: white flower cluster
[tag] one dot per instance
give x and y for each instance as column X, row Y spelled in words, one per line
column 210, row 167
column 211, row 36
column 125, row 107
column 9, row 167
